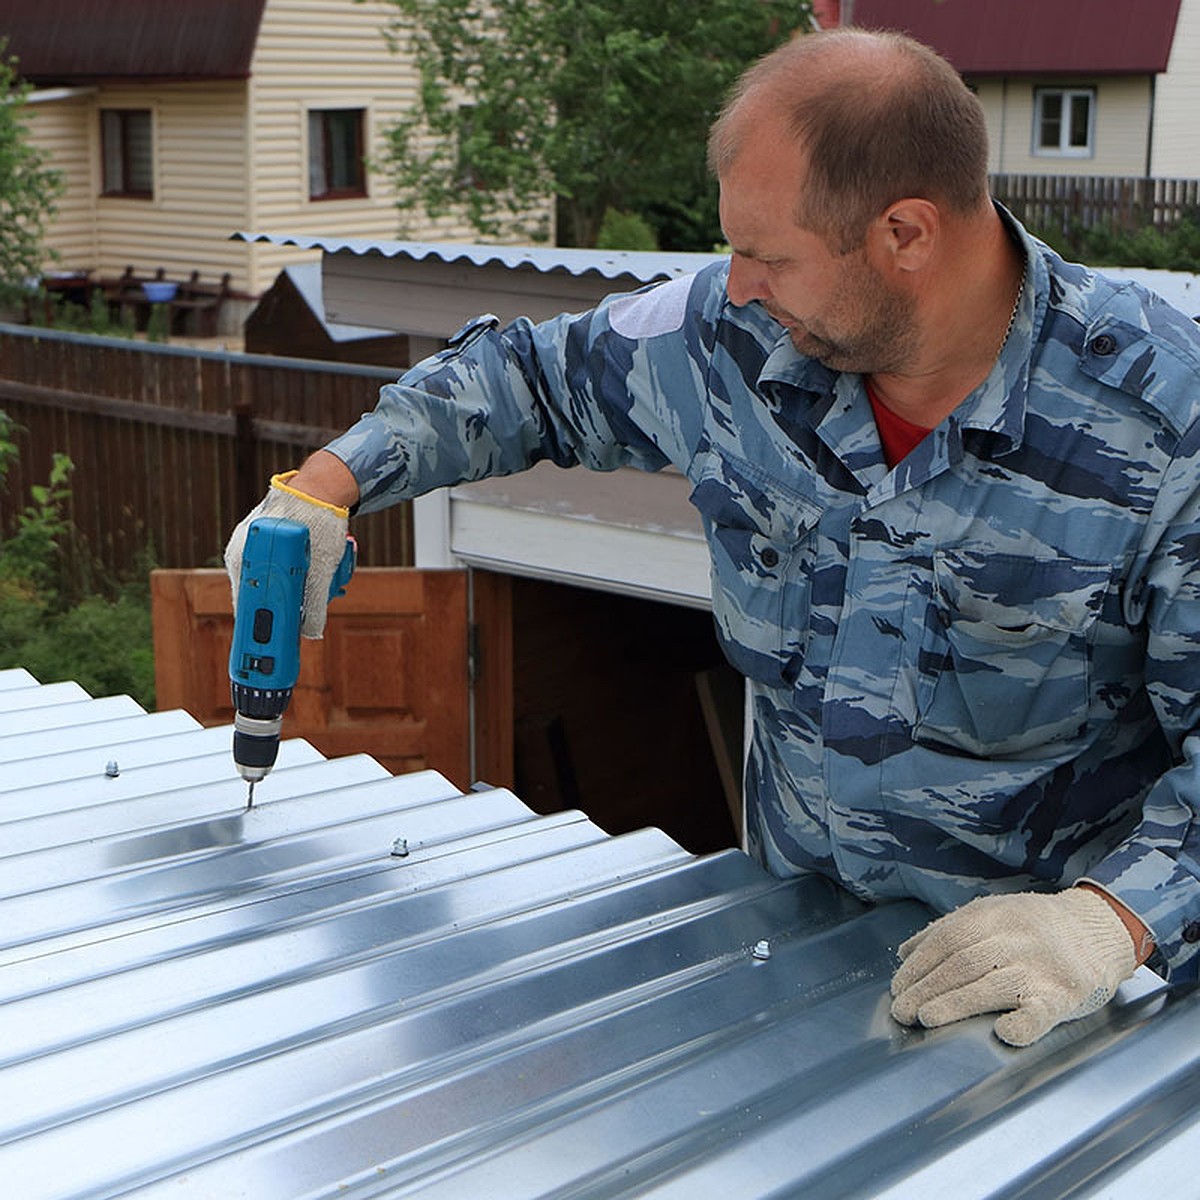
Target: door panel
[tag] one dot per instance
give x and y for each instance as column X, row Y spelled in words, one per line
column 389, row 678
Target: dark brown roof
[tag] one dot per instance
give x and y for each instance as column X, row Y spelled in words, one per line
column 1024, row 37
column 84, row 41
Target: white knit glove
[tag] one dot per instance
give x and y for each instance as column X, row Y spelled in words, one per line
column 327, row 524
column 1038, row 959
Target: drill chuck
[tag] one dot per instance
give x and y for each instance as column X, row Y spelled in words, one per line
column 255, row 745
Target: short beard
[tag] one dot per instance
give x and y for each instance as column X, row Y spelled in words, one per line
column 886, row 337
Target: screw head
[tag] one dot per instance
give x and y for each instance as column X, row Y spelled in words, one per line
column 400, row 848
column 762, row 950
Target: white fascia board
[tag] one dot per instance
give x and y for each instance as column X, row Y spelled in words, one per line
column 632, row 562
column 625, row 532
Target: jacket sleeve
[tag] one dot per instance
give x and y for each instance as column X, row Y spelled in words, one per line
column 619, row 385
column 1156, row 872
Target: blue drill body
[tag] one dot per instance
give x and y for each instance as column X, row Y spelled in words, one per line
column 264, row 658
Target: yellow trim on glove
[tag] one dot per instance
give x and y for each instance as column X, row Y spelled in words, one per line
column 280, row 482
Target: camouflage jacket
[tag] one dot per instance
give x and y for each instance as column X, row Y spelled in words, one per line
column 976, row 672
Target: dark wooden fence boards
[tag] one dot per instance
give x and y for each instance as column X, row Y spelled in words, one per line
column 172, row 445
column 1064, row 202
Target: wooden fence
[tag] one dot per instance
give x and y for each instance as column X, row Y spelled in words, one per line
column 171, row 446
column 1062, row 203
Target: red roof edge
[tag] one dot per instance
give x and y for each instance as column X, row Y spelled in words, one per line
column 1026, row 37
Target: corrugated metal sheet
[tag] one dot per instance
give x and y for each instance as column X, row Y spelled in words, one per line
column 376, row 986
column 1026, row 37
column 72, row 41
column 644, row 266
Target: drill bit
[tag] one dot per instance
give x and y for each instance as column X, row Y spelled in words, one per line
column 250, row 796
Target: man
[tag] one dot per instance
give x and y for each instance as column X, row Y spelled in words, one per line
column 949, row 485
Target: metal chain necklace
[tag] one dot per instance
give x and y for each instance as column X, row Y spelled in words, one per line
column 1012, row 317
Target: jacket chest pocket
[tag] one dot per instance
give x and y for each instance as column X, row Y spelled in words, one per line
column 761, row 538
column 1005, row 665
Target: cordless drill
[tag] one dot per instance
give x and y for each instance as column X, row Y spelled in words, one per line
column 264, row 659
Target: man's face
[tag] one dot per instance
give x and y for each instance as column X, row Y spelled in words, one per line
column 837, row 308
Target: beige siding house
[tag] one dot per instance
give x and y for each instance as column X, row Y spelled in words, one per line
column 1103, row 87
column 1116, row 142
column 1175, row 143
column 60, row 122
column 177, row 125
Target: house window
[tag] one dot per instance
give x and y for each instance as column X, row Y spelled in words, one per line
column 335, row 153
column 127, row 152
column 1063, row 120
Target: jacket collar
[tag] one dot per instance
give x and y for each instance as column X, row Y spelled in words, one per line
column 996, row 406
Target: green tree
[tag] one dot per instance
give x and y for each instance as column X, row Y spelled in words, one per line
column 602, row 104
column 28, row 188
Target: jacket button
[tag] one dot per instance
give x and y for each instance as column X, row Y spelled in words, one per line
column 1104, row 344
column 1191, row 932
column 770, row 557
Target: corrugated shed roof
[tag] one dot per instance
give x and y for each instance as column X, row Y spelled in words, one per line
column 644, row 266
column 1024, row 37
column 80, row 41
column 376, row 986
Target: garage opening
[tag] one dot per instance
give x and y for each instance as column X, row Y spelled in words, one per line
column 625, row 708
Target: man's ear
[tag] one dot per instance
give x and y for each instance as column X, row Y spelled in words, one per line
column 906, row 232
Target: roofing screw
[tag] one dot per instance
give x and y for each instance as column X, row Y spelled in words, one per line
column 762, row 950
column 400, row 848
column 112, row 770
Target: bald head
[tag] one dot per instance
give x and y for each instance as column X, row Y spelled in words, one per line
column 879, row 117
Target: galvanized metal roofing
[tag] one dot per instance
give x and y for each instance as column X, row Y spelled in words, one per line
column 377, row 986
column 645, row 266
column 76, row 41
column 1026, row 37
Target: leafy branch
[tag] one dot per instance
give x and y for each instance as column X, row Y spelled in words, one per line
column 592, row 104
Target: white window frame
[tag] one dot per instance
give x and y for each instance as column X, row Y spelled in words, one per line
column 1069, row 97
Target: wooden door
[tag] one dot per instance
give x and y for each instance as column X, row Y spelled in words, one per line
column 389, row 679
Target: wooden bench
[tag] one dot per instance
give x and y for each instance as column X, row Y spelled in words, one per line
column 198, row 305
column 126, row 296
column 194, row 309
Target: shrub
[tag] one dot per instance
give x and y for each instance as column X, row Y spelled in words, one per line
column 625, row 231
column 22, row 615
column 1174, row 249
column 34, row 552
column 101, row 639
column 103, row 645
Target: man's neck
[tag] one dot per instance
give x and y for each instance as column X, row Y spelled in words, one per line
column 963, row 328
